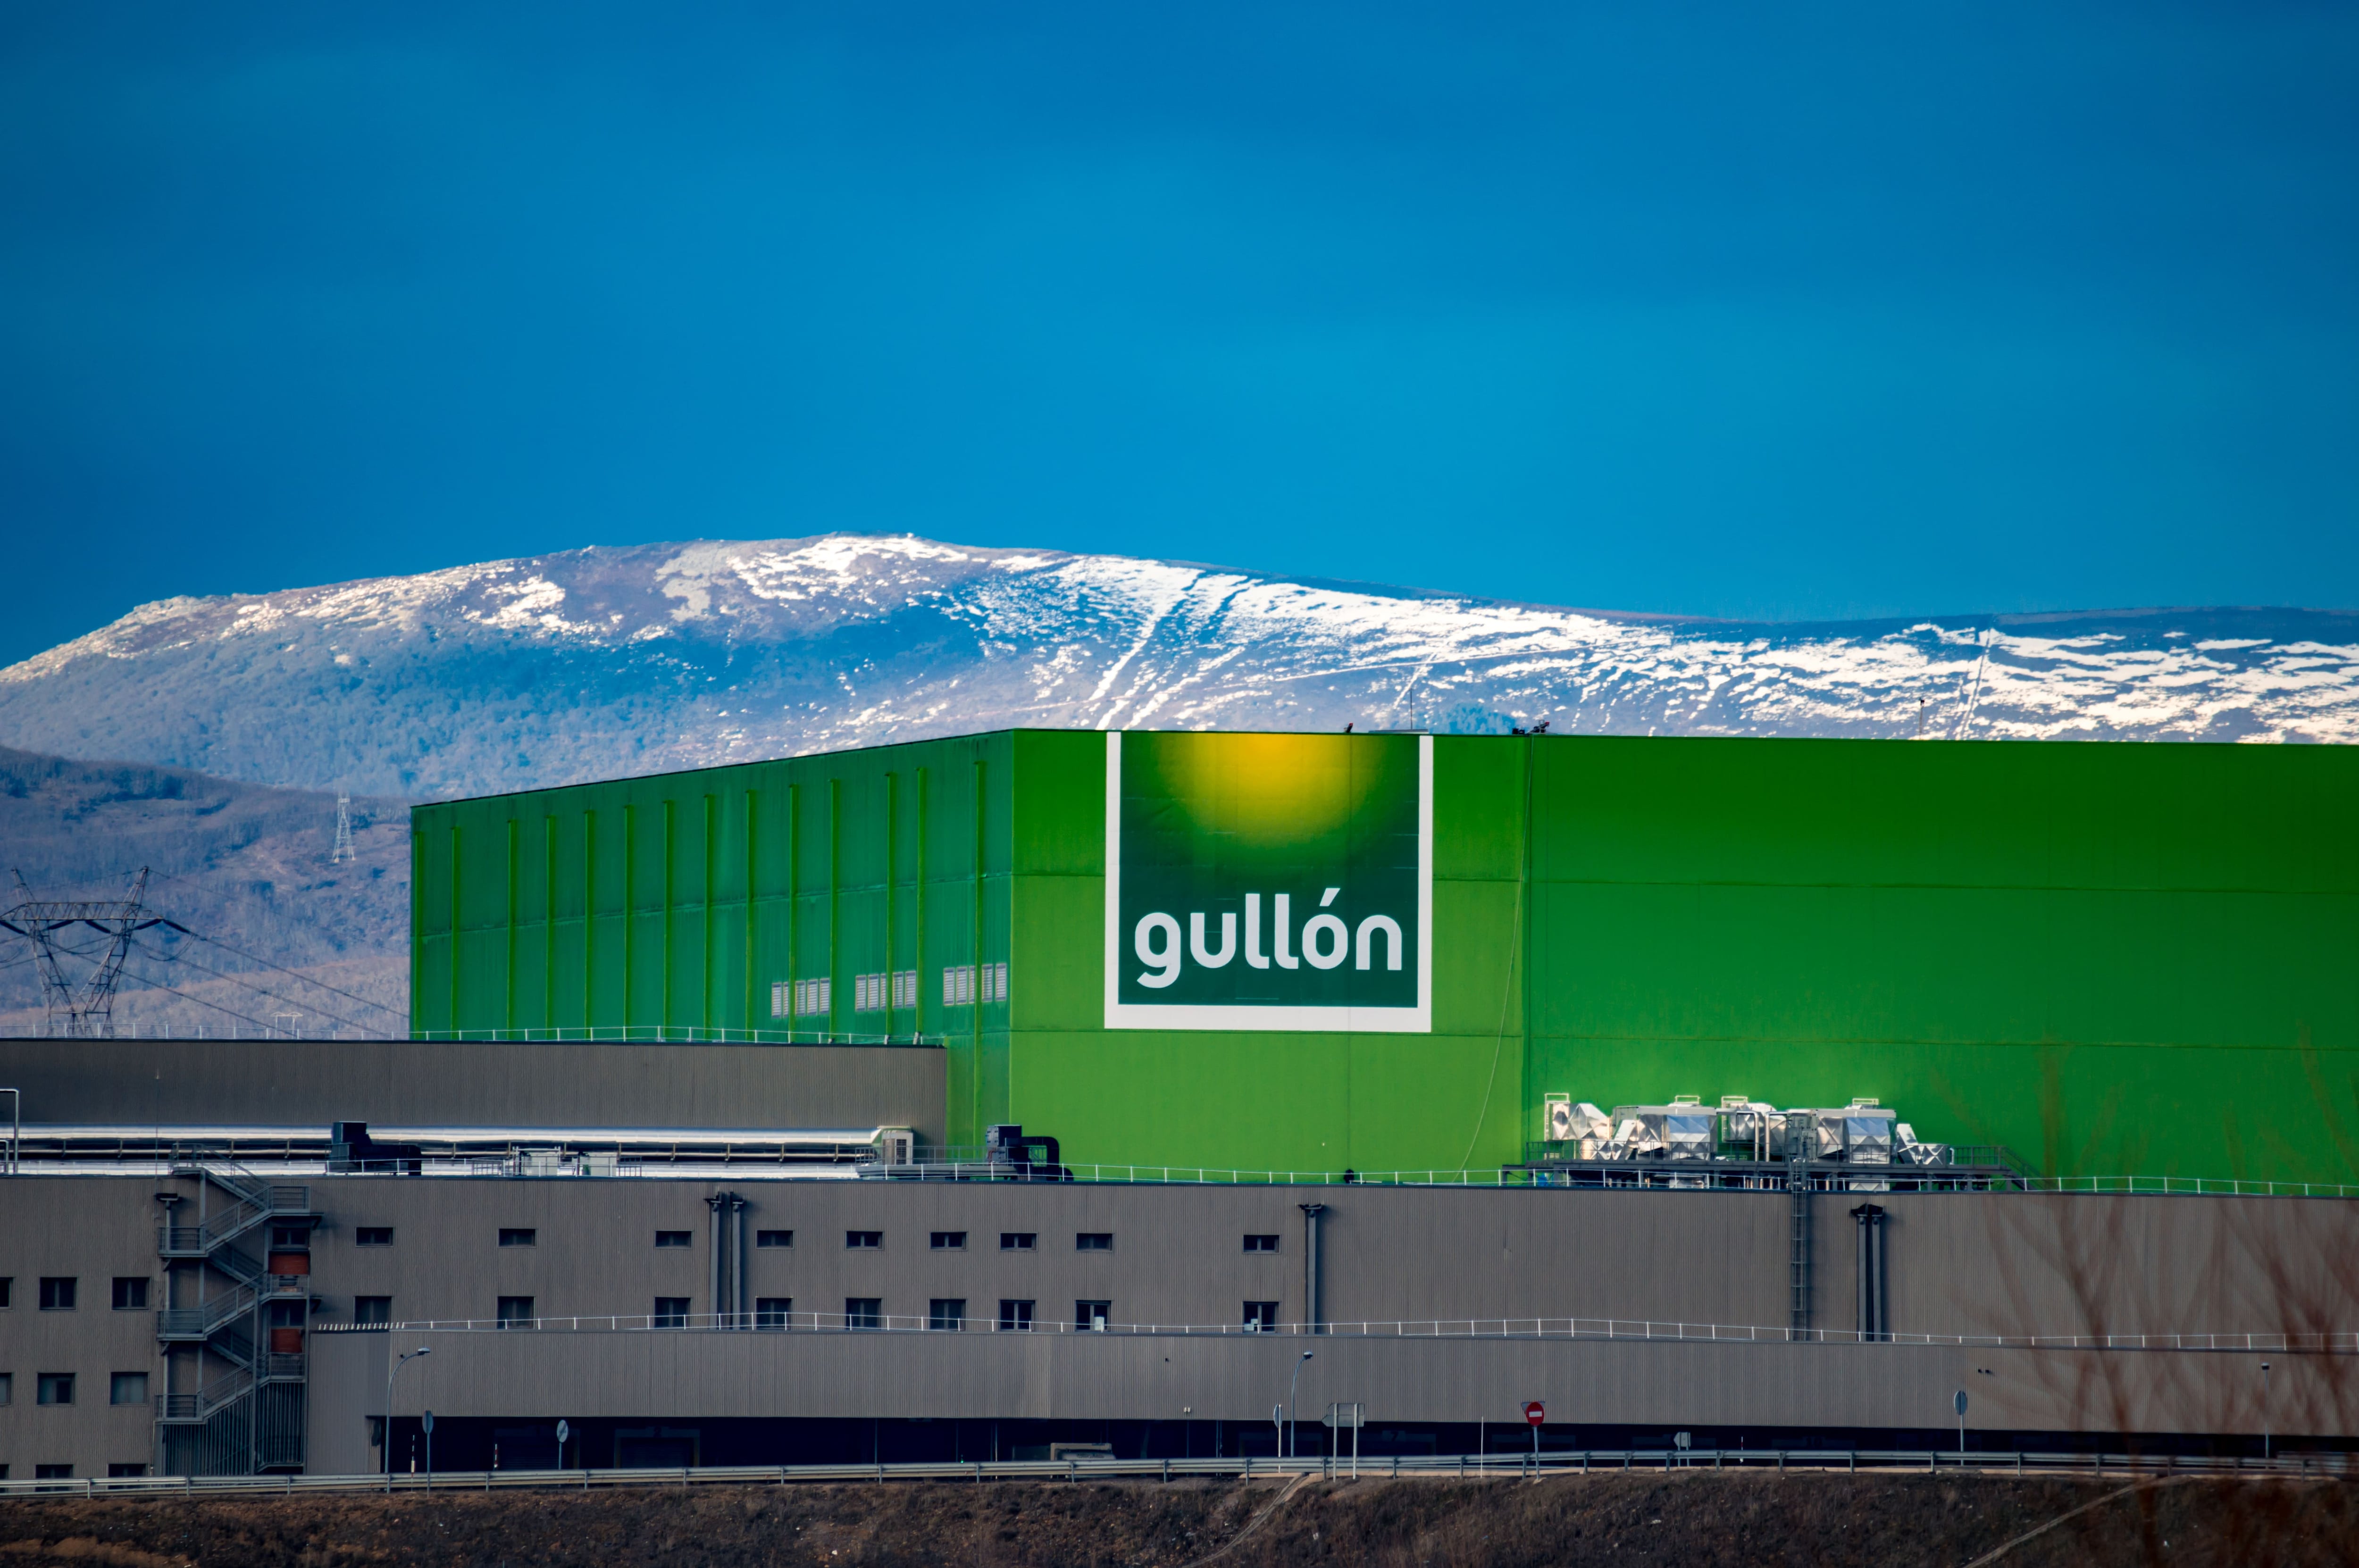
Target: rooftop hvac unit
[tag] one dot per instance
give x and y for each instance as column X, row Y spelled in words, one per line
column 1858, row 1134
column 1680, row 1130
column 1747, row 1126
column 1578, row 1123
column 1907, row 1150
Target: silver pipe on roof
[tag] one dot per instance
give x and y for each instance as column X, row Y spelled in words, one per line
column 503, row 1137
column 813, row 1137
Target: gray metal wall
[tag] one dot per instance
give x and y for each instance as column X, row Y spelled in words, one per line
column 1967, row 1264
column 395, row 1082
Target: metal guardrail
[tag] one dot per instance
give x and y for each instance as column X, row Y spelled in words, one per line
column 1833, row 1176
column 675, row 1035
column 198, row 1322
column 2323, row 1343
column 1651, row 1174
column 196, row 1407
column 1467, row 1466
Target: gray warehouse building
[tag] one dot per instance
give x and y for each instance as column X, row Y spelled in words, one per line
column 216, row 1254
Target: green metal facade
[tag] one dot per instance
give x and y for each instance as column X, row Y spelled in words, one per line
column 2111, row 958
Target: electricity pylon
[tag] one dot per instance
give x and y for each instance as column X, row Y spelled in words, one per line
column 84, row 1011
column 343, row 849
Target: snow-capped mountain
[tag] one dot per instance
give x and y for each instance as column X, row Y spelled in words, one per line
column 603, row 661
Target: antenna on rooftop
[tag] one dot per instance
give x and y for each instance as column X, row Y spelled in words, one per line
column 343, row 849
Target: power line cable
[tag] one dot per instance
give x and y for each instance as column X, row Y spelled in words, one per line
column 299, row 975
column 256, row 958
column 159, row 985
column 258, row 991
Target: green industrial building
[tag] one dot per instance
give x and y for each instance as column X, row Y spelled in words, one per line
column 1383, row 953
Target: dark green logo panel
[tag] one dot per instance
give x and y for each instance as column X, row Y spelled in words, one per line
column 1269, row 881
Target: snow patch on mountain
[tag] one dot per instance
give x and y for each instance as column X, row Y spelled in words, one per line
column 595, row 662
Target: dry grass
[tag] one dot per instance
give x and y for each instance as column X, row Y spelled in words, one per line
column 1760, row 1521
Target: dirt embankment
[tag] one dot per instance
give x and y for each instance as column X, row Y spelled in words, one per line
column 1759, row 1521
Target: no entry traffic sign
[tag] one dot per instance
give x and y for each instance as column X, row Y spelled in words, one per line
column 1535, row 1413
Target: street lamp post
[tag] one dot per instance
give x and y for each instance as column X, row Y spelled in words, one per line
column 1291, row 1385
column 398, row 1364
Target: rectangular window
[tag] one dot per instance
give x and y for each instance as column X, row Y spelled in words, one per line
column 128, row 1389
column 1015, row 1316
column 52, row 1472
column 874, row 993
column 781, row 998
column 864, row 1240
column 516, row 1311
column 8, row 1387
column 372, row 1235
column 7, row 1291
column 514, row 1235
column 285, row 1236
column 55, row 1388
column 1261, row 1243
column 864, row 1312
column 131, row 1292
column 1093, row 1315
column 1093, row 1241
column 950, row 1240
column 1261, row 1318
column 1018, row 1240
column 774, row 1239
column 372, row 1309
column 959, row 984
column 671, row 1237
column 125, row 1471
column 813, row 998
column 671, row 1311
column 946, row 1316
column 773, row 1312
column 57, row 1294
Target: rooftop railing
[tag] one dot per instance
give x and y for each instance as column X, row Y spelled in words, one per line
column 785, row 1322
column 1550, row 1461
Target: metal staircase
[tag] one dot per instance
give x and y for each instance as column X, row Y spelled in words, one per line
column 243, row 1411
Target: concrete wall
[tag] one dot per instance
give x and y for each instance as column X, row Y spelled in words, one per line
column 347, row 1388
column 313, row 1083
column 1088, row 1377
column 91, row 1232
column 1958, row 1265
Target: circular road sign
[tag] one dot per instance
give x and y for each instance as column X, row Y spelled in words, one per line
column 1535, row 1413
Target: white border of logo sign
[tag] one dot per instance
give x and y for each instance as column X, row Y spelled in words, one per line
column 1418, row 1020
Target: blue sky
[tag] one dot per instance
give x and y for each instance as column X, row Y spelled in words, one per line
column 1808, row 312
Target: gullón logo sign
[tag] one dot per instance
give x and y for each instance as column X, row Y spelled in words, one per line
column 1269, row 881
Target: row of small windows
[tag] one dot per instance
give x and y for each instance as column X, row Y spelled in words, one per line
column 58, row 1291
column 57, row 1388
column 893, row 989
column 673, row 1312
column 66, row 1472
column 863, row 1240
column 61, row 1293
column 942, row 1314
